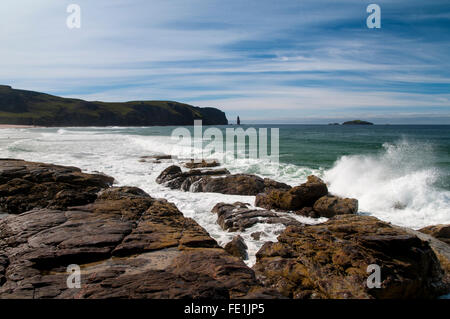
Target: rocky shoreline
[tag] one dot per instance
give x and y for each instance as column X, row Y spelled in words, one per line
column 131, row 245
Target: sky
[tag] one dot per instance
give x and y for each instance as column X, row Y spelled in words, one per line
column 283, row 61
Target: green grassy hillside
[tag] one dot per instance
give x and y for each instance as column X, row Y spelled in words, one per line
column 22, row 107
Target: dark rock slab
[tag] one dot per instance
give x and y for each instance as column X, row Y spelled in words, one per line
column 217, row 181
column 27, row 185
column 201, row 164
column 238, row 217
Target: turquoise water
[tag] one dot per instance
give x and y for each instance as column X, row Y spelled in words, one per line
column 320, row 146
column 398, row 173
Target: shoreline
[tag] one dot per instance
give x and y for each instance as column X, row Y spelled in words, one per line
column 17, row 126
column 89, row 233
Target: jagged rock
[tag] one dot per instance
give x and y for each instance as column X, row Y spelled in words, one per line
column 26, row 185
column 330, row 260
column 295, row 198
column 217, row 181
column 238, row 217
column 329, row 206
column 201, row 164
column 237, row 247
column 128, row 245
column 174, row 178
column 441, row 232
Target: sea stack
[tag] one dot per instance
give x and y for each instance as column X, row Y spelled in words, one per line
column 238, row 121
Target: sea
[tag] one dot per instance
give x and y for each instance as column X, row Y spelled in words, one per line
column 398, row 173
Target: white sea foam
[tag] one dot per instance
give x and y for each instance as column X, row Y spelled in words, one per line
column 394, row 177
column 396, row 184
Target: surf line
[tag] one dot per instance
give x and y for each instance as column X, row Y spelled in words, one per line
column 193, row 309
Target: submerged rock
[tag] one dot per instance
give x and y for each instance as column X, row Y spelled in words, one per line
column 26, row 185
column 238, row 217
column 331, row 260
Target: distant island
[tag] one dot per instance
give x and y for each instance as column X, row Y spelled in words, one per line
column 20, row 107
column 357, row 122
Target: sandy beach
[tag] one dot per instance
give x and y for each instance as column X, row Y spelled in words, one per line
column 16, row 126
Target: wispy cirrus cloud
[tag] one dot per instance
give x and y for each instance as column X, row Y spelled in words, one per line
column 307, row 59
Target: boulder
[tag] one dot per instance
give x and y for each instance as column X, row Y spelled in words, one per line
column 217, row 181
column 295, row 198
column 174, row 178
column 26, row 185
column 441, row 232
column 238, row 217
column 331, row 260
column 168, row 174
column 237, row 247
column 329, row 206
column 238, row 184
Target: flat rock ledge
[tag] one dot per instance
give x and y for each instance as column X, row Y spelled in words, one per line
column 238, row 217
column 331, row 260
column 126, row 243
column 27, row 185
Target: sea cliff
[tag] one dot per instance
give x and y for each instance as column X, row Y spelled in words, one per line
column 20, row 107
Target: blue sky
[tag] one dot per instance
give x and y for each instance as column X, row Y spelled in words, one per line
column 287, row 61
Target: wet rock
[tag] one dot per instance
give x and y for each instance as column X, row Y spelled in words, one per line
column 168, row 174
column 174, row 178
column 329, row 206
column 158, row 157
column 201, row 164
column 216, row 181
column 26, row 185
column 441, row 232
column 238, row 184
column 295, row 198
column 307, row 212
column 238, row 217
column 330, row 260
column 237, row 247
column 257, row 235
column 128, row 245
